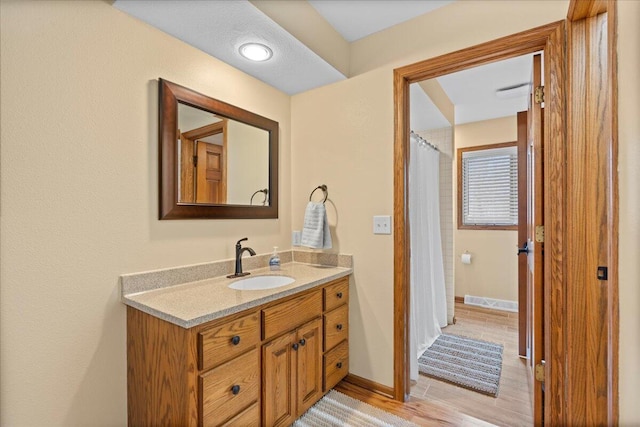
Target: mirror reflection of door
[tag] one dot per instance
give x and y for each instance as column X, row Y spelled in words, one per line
column 203, row 177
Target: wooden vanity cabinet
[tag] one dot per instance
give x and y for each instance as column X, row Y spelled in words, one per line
column 264, row 366
column 336, row 332
column 292, row 367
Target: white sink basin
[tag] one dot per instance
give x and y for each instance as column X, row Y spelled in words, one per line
column 259, row 283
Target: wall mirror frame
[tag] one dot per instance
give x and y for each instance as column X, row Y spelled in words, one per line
column 170, row 95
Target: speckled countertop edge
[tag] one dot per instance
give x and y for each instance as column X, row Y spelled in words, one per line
column 197, row 302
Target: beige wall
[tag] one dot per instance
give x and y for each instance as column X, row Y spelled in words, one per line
column 79, row 193
column 247, row 163
column 629, row 175
column 79, row 198
column 493, row 272
column 343, row 137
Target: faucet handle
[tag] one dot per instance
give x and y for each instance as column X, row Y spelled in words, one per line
column 242, row 240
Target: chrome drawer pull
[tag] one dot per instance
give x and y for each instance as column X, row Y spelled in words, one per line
column 235, row 340
column 235, row 389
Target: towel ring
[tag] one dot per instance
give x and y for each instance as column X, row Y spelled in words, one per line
column 324, row 190
column 265, row 191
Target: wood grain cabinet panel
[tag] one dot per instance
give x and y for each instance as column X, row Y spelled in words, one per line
column 226, row 341
column 291, row 314
column 336, row 294
column 279, row 381
column 336, row 326
column 230, row 388
column 309, row 364
column 336, row 365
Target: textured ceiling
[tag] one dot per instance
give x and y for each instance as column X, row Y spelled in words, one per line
column 355, row 19
column 219, row 28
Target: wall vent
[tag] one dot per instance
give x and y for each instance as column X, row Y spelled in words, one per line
column 496, row 304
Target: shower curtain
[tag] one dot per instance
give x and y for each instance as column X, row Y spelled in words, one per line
column 428, row 299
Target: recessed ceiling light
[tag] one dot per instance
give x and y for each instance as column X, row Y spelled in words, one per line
column 256, row 52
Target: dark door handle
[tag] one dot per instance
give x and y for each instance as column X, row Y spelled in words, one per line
column 235, row 340
column 339, row 365
column 339, row 326
column 295, row 346
column 235, row 389
column 524, row 249
column 303, row 342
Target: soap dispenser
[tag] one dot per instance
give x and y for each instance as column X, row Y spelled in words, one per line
column 274, row 261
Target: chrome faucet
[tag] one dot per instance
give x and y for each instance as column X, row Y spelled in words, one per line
column 239, row 251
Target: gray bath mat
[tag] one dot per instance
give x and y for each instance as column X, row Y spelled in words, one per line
column 470, row 363
column 337, row 410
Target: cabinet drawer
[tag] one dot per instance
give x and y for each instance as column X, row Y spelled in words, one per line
column 336, row 294
column 218, row 401
column 336, row 365
column 291, row 314
column 336, row 326
column 225, row 341
column 248, row 417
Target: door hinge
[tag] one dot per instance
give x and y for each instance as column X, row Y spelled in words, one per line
column 540, row 372
column 195, row 161
column 538, row 95
column 540, row 233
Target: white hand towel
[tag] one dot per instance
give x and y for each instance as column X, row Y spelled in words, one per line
column 315, row 231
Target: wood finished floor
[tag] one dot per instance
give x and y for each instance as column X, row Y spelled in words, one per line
column 437, row 403
column 512, row 407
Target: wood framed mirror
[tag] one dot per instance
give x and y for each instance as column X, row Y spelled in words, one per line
column 217, row 161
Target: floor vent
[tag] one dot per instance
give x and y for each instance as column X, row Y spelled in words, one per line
column 496, row 304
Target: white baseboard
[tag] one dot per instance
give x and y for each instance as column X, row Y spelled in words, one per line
column 496, row 304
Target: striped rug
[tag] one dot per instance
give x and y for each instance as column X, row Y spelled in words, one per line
column 466, row 362
column 336, row 410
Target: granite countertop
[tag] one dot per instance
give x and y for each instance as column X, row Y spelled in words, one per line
column 191, row 304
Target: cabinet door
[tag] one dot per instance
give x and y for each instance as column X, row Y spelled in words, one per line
column 279, row 380
column 309, row 364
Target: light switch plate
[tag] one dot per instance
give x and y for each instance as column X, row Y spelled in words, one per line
column 296, row 238
column 382, row 224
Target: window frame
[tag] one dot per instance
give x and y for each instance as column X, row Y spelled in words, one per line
column 459, row 151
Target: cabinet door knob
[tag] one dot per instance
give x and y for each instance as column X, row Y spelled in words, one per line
column 339, row 365
column 303, row 341
column 339, row 294
column 339, row 326
column 235, row 340
column 235, row 389
column 295, row 346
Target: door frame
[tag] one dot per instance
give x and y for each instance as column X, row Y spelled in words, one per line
column 548, row 38
column 551, row 39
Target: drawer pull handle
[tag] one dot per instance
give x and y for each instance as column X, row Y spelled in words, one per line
column 295, row 346
column 235, row 389
column 339, row 365
column 303, row 341
column 339, row 294
column 339, row 326
column 235, row 340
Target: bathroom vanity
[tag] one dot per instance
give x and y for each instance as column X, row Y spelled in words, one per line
column 259, row 357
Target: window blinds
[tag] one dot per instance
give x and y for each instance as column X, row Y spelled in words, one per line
column 490, row 187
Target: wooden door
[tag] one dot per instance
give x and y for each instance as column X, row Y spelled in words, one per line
column 309, row 365
column 187, row 170
column 535, row 242
column 209, row 167
column 279, row 381
column 523, row 312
